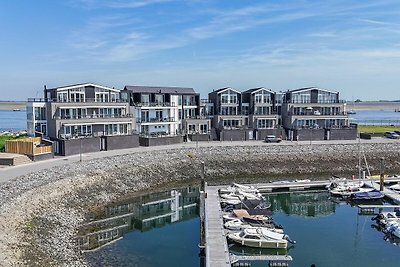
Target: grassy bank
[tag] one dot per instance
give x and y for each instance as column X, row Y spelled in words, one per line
column 377, row 128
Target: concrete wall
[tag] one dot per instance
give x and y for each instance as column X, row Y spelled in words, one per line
column 73, row 146
column 310, row 134
column 39, row 157
column 236, row 135
column 160, row 141
column 262, row 133
column 121, row 141
column 200, row 137
column 343, row 134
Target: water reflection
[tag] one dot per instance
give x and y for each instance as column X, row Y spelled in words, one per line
column 308, row 204
column 141, row 213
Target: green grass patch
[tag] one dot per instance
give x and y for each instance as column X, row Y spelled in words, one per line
column 4, row 138
column 377, row 128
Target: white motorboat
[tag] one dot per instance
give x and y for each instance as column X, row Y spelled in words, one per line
column 342, row 191
column 386, row 218
column 343, row 182
column 233, row 188
column 241, row 195
column 395, row 187
column 393, row 228
column 260, row 238
column 239, row 225
column 244, row 215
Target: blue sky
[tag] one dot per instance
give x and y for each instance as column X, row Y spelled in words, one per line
column 349, row 46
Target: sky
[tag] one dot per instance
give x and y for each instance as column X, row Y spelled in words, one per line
column 350, row 46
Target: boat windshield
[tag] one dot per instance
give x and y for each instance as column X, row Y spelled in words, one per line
column 241, row 234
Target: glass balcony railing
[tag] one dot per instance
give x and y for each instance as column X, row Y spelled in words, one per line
column 155, row 120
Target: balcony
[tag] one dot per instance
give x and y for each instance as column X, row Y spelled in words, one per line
column 316, row 113
column 155, row 120
column 154, row 104
column 313, row 102
column 97, row 116
column 85, row 100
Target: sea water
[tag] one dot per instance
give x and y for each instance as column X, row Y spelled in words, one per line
column 12, row 121
column 328, row 231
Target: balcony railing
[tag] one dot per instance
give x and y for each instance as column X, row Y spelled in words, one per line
column 85, row 100
column 155, row 120
column 313, row 102
column 316, row 114
column 97, row 116
column 154, row 104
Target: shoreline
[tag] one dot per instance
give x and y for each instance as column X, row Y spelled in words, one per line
column 42, row 211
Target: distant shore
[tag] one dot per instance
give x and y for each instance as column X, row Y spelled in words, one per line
column 11, row 105
column 374, row 105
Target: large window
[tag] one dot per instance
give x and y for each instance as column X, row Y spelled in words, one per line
column 145, row 100
column 327, row 97
column 265, row 123
column 262, row 98
column 159, row 99
column 229, row 98
column 116, row 129
column 301, row 97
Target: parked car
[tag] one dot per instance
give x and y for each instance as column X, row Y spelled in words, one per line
column 392, row 135
column 272, row 139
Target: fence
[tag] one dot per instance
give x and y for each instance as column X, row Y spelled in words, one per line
column 382, row 122
column 27, row 146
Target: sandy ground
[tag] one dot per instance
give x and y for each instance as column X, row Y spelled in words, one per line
column 12, row 105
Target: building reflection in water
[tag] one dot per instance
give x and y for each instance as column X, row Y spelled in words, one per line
column 309, row 204
column 141, row 213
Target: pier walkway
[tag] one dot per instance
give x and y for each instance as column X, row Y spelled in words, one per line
column 217, row 253
column 394, row 196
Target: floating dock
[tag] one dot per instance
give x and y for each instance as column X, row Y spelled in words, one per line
column 216, row 247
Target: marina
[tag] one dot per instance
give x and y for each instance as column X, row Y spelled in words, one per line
column 216, row 243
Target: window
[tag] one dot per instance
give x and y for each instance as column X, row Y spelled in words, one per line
column 145, row 99
column 159, row 99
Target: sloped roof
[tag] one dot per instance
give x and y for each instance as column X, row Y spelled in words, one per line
column 253, row 90
column 159, row 89
column 311, row 88
column 226, row 88
column 78, row 85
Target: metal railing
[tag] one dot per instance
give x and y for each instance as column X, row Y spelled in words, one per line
column 156, row 120
column 85, row 100
column 97, row 116
column 154, row 104
column 316, row 114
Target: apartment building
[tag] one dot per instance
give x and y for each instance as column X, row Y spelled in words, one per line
column 315, row 114
column 168, row 112
column 83, row 118
column 262, row 112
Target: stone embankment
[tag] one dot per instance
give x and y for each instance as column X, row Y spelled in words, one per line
column 41, row 212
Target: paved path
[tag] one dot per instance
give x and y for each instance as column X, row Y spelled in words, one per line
column 11, row 172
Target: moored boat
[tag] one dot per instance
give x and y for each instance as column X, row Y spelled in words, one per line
column 371, row 195
column 260, row 238
column 239, row 225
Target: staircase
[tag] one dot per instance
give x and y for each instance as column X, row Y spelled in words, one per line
column 21, row 159
column 11, row 159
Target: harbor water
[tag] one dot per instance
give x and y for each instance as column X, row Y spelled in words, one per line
column 163, row 230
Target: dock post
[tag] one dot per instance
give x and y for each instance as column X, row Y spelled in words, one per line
column 382, row 177
column 203, row 196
